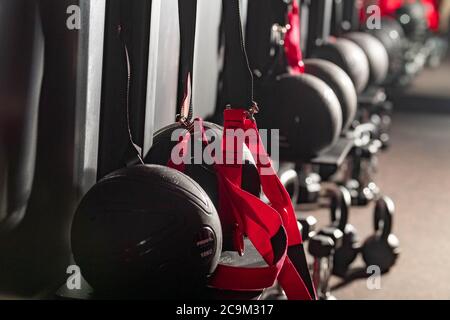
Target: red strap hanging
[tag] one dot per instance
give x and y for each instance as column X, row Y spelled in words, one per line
column 272, row 229
column 432, row 10
column 388, row 7
column 292, row 41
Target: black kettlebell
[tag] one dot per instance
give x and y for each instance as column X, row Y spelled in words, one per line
column 382, row 248
column 344, row 255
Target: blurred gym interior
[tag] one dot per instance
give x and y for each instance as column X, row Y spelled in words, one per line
column 417, row 169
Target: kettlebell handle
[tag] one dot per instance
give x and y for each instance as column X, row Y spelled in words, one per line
column 383, row 216
column 340, row 204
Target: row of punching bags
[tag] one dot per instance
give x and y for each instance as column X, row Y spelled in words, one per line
column 158, row 230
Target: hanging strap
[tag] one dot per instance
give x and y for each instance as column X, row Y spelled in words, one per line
column 136, row 147
column 292, row 40
column 267, row 226
column 266, row 30
column 337, row 18
column 352, row 10
column 268, row 56
column 272, row 229
column 258, row 220
column 320, row 13
column 187, row 12
column 258, row 37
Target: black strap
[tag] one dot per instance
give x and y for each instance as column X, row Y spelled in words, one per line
column 319, row 23
column 267, row 59
column 258, row 42
column 351, row 14
column 136, row 147
column 238, row 79
column 337, row 18
column 187, row 11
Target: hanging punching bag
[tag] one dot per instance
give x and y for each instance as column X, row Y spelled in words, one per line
column 164, row 143
column 374, row 50
column 342, row 52
column 302, row 106
column 331, row 74
column 392, row 36
column 21, row 65
column 244, row 216
column 148, row 231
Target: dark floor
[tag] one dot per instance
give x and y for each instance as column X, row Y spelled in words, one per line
column 415, row 172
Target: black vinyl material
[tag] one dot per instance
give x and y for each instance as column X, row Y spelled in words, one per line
column 340, row 83
column 376, row 54
column 413, row 19
column 391, row 35
column 202, row 172
column 21, row 65
column 305, row 109
column 147, row 231
column 349, row 56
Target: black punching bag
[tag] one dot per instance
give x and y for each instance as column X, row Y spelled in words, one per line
column 21, row 65
column 147, row 232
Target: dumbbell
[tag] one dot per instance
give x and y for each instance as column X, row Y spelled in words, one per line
column 347, row 252
column 334, row 233
column 309, row 183
column 383, row 247
column 322, row 248
column 307, row 227
column 362, row 164
column 290, row 180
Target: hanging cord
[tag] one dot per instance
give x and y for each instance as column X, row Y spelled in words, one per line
column 237, row 73
column 278, row 63
column 128, row 63
column 268, row 18
column 187, row 13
